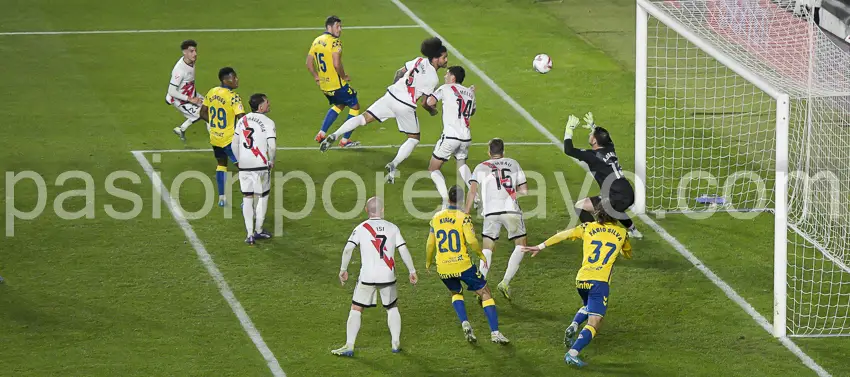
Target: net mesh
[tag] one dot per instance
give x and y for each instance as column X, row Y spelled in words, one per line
column 711, row 137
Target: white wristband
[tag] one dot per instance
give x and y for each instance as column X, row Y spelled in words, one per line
column 541, row 246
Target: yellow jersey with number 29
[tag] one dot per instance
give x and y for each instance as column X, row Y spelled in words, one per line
column 223, row 105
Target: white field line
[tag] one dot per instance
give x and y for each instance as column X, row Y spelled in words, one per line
column 730, row 293
column 212, row 269
column 149, row 31
column 316, row 148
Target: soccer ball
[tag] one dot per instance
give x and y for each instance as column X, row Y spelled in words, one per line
column 542, row 63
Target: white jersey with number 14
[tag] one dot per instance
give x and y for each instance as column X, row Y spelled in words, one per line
column 458, row 105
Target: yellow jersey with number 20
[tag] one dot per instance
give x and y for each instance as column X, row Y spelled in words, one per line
column 451, row 231
column 223, row 105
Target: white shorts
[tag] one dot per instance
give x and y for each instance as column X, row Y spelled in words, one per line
column 388, row 107
column 255, row 182
column 511, row 221
column 447, row 147
column 366, row 295
column 189, row 110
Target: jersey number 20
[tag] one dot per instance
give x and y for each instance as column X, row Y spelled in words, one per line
column 451, row 239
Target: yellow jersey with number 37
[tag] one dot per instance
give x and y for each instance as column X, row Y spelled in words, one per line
column 322, row 49
column 602, row 244
column 451, row 231
column 223, row 105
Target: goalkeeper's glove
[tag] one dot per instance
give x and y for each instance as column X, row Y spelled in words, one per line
column 588, row 121
column 572, row 123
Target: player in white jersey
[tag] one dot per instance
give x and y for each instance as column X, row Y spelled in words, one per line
column 417, row 78
column 501, row 179
column 378, row 240
column 181, row 89
column 458, row 107
column 254, row 145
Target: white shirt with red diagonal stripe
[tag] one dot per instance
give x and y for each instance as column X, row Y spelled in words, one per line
column 378, row 240
column 183, row 78
column 458, row 103
column 254, row 131
column 498, row 179
column 419, row 80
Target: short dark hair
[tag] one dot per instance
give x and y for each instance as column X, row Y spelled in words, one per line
column 497, row 146
column 602, row 216
column 224, row 72
column 458, row 72
column 188, row 43
column 332, row 20
column 455, row 194
column 432, row 48
column 602, row 136
column 256, row 100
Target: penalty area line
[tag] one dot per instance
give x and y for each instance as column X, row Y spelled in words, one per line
column 681, row 249
column 301, row 148
column 155, row 31
column 212, row 269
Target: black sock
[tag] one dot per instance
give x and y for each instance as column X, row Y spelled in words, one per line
column 627, row 222
column 584, row 216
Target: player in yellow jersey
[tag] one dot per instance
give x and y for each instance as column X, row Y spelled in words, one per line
column 603, row 240
column 221, row 109
column 451, row 231
column 324, row 61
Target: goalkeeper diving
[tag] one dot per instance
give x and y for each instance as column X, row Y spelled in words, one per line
column 603, row 241
column 603, row 163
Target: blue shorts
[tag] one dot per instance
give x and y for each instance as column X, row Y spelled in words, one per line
column 225, row 152
column 594, row 294
column 346, row 96
column 471, row 277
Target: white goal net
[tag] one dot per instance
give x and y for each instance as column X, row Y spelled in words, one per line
column 723, row 79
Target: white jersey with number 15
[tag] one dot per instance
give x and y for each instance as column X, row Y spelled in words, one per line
column 498, row 180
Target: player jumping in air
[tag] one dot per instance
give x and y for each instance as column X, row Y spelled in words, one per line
column 378, row 239
column 254, row 143
column 603, row 241
column 324, row 61
column 602, row 161
column 181, row 89
column 451, row 232
column 501, row 179
column 222, row 108
column 458, row 107
column 417, row 78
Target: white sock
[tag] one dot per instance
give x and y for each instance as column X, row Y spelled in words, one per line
column 248, row 214
column 440, row 182
column 186, row 124
column 404, row 151
column 513, row 264
column 350, row 125
column 465, row 174
column 573, row 352
column 262, row 206
column 352, row 327
column 489, row 255
column 394, row 321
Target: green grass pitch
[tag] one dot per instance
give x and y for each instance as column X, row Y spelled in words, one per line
column 105, row 297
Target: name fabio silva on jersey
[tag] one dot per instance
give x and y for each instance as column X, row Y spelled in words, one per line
column 612, row 231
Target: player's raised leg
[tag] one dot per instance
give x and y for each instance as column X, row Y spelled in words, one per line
column 580, row 317
column 408, row 124
column 352, row 327
column 348, row 126
column 584, row 337
column 346, row 141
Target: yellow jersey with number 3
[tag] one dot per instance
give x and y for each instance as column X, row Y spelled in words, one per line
column 452, row 230
column 602, row 244
column 322, row 49
column 223, row 105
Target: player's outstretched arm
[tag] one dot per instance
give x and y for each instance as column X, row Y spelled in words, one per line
column 430, row 249
column 398, row 74
column 573, row 233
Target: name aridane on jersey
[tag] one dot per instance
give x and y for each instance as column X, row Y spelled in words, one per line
column 223, row 105
column 602, row 244
column 451, row 232
column 322, row 49
column 458, row 106
column 420, row 79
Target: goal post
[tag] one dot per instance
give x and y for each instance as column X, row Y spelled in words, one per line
column 744, row 106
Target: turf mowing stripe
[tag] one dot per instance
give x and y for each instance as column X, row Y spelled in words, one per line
column 212, row 269
column 144, row 31
column 730, row 293
column 521, row 143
